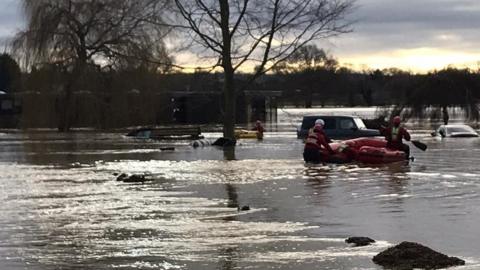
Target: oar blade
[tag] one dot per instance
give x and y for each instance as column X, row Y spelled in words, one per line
column 420, row 145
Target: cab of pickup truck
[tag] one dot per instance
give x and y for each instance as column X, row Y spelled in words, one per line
column 337, row 127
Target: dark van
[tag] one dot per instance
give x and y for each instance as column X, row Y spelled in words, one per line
column 337, row 127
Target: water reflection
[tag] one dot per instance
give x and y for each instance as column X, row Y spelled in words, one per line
column 232, row 196
column 316, row 171
column 228, row 258
column 395, row 186
column 230, row 254
column 229, row 153
column 317, row 177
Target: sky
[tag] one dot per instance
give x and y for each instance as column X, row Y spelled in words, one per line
column 418, row 35
column 10, row 20
column 414, row 35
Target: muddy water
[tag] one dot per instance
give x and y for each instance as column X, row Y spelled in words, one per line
column 61, row 208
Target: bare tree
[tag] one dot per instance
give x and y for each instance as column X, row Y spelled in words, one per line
column 305, row 58
column 240, row 34
column 76, row 33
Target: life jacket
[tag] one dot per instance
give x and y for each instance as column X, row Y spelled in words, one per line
column 259, row 128
column 312, row 140
column 395, row 134
column 395, row 137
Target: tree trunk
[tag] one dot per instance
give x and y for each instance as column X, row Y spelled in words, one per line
column 308, row 98
column 63, row 122
column 228, row 85
column 66, row 103
column 229, row 119
column 445, row 115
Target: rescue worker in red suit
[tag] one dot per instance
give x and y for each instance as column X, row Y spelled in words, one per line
column 259, row 128
column 394, row 135
column 315, row 141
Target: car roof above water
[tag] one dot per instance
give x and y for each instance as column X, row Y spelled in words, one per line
column 457, row 130
column 456, row 125
column 330, row 116
column 325, row 117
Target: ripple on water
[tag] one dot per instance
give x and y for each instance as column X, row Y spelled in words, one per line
column 92, row 216
column 211, row 171
column 179, row 218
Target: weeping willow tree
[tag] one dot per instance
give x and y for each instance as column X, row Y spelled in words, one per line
column 433, row 96
column 76, row 33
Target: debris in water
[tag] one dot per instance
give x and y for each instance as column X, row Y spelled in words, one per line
column 244, row 208
column 134, row 178
column 409, row 255
column 359, row 241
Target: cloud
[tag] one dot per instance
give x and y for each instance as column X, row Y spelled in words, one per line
column 10, row 15
column 10, row 19
column 383, row 28
column 445, row 14
column 418, row 59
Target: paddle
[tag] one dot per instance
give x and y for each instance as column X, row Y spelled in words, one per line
column 417, row 144
column 420, row 145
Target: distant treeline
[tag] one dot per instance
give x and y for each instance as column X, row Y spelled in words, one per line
column 425, row 96
column 108, row 98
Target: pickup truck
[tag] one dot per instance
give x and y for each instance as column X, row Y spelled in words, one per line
column 337, row 127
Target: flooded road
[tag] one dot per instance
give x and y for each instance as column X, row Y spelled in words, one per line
column 61, row 207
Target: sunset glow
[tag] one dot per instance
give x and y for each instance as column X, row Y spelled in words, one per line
column 416, row 36
column 419, row 60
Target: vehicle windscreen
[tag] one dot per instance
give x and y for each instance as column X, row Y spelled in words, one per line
column 347, row 123
column 359, row 123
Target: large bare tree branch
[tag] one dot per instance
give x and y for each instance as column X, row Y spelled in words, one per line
column 260, row 32
column 240, row 18
column 208, row 41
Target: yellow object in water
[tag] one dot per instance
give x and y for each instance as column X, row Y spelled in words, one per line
column 247, row 134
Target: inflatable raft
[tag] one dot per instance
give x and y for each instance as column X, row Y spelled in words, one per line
column 248, row 134
column 364, row 150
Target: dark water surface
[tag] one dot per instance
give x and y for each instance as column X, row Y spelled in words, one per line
column 61, row 208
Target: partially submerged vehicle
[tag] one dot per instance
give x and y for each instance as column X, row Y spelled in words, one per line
column 172, row 132
column 337, row 127
column 460, row 130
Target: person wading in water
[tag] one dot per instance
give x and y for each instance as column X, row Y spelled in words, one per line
column 259, row 129
column 314, row 142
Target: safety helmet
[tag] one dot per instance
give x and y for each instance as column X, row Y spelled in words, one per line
column 319, row 122
column 396, row 120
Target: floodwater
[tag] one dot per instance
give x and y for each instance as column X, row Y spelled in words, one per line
column 61, row 208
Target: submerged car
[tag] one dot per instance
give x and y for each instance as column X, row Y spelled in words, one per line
column 455, row 131
column 337, row 127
